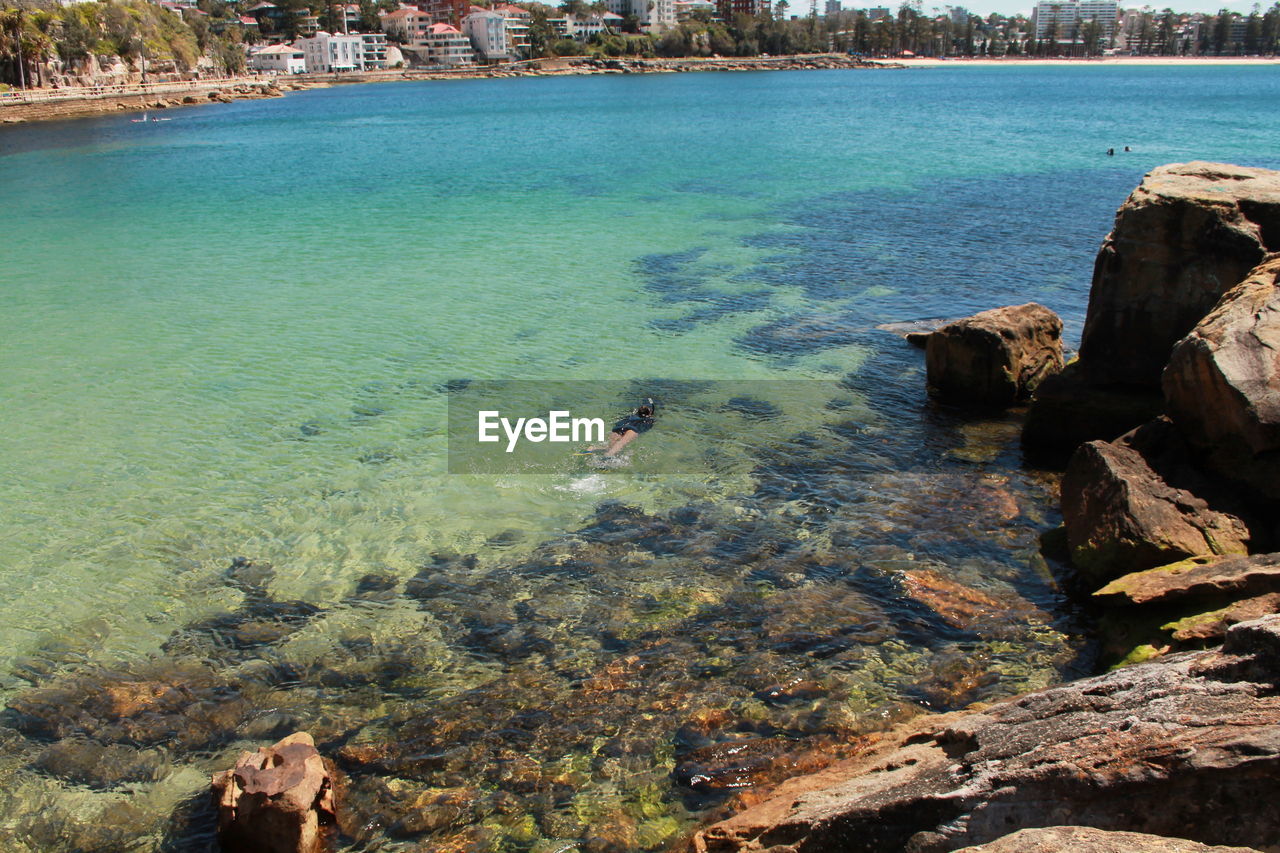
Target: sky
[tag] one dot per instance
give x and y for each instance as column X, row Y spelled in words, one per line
column 1010, row 7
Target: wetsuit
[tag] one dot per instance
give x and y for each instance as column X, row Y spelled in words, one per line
column 635, row 423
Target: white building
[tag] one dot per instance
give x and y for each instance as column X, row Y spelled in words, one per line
column 582, row 29
column 375, row 51
column 517, row 23
column 327, row 52
column 655, row 16
column 279, row 59
column 686, row 8
column 446, row 45
column 487, row 30
column 1067, row 18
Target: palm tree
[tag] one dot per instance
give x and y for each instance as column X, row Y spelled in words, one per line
column 11, row 42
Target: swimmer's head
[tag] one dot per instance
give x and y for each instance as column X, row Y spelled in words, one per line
column 647, row 408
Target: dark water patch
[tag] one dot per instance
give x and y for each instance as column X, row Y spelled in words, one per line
column 752, row 409
column 682, row 278
column 377, row 456
column 951, row 249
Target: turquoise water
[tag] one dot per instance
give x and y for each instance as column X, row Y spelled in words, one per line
column 226, row 335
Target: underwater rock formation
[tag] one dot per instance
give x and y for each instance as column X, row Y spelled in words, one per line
column 1187, row 746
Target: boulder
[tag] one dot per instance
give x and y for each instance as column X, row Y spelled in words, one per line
column 1203, row 578
column 1084, row 839
column 1187, row 746
column 1222, row 385
column 996, row 357
column 276, row 800
column 1183, row 238
column 1067, row 411
column 1122, row 516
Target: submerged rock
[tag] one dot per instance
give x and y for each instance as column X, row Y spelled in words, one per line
column 1183, row 238
column 1223, row 382
column 84, row 762
column 996, row 357
column 1084, row 839
column 1187, row 746
column 179, row 706
column 276, row 800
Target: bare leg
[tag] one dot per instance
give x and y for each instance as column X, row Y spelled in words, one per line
column 617, row 442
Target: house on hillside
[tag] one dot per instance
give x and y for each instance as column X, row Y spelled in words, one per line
column 487, row 30
column 279, row 59
column 446, row 45
column 332, row 52
column 407, row 25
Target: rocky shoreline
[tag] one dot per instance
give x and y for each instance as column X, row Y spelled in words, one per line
column 139, row 98
column 1173, row 523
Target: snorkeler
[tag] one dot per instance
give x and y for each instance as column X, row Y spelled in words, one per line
column 630, row 427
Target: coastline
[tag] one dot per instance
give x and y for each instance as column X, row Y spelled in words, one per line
column 50, row 104
column 1098, row 61
column 53, row 104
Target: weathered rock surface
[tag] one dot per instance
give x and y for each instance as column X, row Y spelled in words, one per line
column 277, row 799
column 1121, row 515
column 1183, row 238
column 1203, row 627
column 1198, row 578
column 1222, row 384
column 1084, row 839
column 996, row 357
column 1187, row 746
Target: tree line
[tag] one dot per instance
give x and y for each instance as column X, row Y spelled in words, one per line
column 36, row 33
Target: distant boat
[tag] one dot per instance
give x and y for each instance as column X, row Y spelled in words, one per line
column 139, row 120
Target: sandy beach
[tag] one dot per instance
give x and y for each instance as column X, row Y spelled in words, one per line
column 1100, row 61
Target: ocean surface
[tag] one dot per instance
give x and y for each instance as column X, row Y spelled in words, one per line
column 227, row 343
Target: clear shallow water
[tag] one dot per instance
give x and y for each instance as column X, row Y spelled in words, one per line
column 225, row 334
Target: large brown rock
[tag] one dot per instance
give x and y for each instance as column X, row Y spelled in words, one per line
column 1085, row 839
column 276, row 800
column 996, row 357
column 1187, row 746
column 1222, row 384
column 1183, row 238
column 1121, row 516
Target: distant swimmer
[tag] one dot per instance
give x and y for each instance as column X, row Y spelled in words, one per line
column 630, row 428
column 1127, row 148
column 1111, row 152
